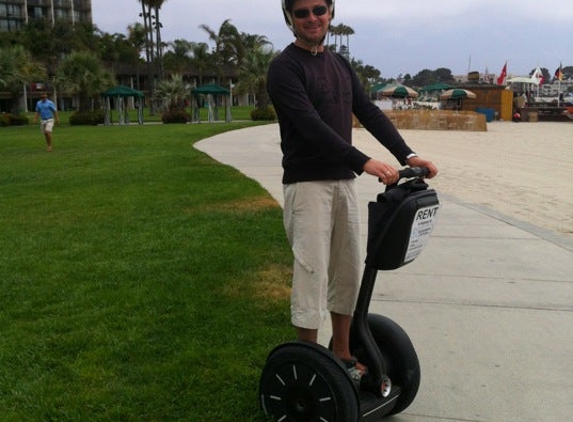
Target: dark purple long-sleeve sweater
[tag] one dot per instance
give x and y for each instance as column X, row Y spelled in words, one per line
column 314, row 97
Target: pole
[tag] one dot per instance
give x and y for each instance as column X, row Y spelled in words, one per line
column 25, row 99
column 56, row 96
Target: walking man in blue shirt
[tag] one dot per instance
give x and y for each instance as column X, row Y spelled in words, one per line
column 47, row 111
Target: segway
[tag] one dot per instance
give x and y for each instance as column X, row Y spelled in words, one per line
column 306, row 382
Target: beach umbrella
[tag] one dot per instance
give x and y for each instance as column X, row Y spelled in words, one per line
column 398, row 91
column 457, row 93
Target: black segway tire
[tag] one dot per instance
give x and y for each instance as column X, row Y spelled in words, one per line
column 400, row 358
column 305, row 382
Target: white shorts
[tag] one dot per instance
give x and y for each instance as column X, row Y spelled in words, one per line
column 322, row 224
column 47, row 125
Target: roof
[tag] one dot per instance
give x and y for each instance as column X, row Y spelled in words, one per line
column 210, row 89
column 438, row 86
column 122, row 91
column 523, row 80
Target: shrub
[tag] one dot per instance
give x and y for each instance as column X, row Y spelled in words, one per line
column 19, row 120
column 175, row 116
column 267, row 113
column 87, row 118
column 5, row 119
column 9, row 119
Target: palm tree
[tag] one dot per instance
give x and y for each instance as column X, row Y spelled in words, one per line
column 225, row 41
column 117, row 48
column 82, row 74
column 253, row 74
column 153, row 46
column 17, row 68
column 173, row 92
column 246, row 43
column 368, row 75
column 335, row 32
column 178, row 56
column 152, row 26
column 339, row 31
column 146, row 15
column 347, row 32
column 201, row 59
column 136, row 36
column 137, row 39
column 37, row 37
column 86, row 36
column 157, row 25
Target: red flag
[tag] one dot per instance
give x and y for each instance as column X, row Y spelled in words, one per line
column 503, row 74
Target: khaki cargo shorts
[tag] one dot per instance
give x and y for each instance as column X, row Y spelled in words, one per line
column 47, row 125
column 321, row 220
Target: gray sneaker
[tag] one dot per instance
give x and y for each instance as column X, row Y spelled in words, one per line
column 353, row 370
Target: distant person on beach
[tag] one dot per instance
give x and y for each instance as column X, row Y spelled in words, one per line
column 519, row 101
column 47, row 111
column 315, row 93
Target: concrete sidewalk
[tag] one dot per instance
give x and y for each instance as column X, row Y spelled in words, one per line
column 488, row 304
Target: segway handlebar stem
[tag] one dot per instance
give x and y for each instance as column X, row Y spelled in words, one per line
column 389, row 237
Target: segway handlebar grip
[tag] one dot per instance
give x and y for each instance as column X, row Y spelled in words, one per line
column 413, row 172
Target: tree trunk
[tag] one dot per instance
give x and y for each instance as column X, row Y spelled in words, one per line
column 158, row 46
column 262, row 97
column 149, row 56
column 84, row 102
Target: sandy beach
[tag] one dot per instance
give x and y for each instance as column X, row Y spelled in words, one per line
column 522, row 170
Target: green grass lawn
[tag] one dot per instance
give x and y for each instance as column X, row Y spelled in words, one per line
column 140, row 280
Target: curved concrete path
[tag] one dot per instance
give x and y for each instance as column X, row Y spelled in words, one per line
column 488, row 304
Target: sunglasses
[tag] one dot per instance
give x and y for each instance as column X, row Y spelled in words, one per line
column 305, row 13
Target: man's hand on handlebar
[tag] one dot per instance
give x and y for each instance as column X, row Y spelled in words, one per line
column 389, row 175
column 420, row 162
column 385, row 172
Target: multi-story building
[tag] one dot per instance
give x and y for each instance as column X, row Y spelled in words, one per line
column 16, row 13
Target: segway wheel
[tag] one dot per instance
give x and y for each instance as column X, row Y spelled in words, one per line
column 400, row 358
column 304, row 382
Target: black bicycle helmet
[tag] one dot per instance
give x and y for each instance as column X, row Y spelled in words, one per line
column 287, row 11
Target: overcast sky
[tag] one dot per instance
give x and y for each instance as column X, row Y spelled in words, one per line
column 396, row 37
